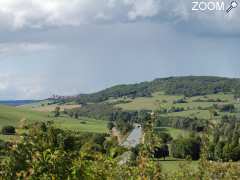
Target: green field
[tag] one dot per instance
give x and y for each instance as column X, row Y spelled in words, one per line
column 13, row 116
column 173, row 131
column 83, row 125
column 192, row 108
column 149, row 103
column 171, row 165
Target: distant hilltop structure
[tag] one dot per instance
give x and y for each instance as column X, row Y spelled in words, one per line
column 58, row 97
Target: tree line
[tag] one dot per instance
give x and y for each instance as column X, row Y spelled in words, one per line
column 188, row 86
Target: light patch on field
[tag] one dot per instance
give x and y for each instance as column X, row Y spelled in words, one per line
column 151, row 103
column 175, row 133
column 50, row 108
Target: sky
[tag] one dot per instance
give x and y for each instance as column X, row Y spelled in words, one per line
column 67, row 47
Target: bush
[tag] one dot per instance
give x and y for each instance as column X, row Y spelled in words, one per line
column 8, row 130
column 165, row 137
column 186, row 147
column 162, row 151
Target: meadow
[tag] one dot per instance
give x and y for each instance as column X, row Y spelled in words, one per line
column 193, row 107
column 15, row 116
column 172, row 165
column 175, row 133
column 49, row 106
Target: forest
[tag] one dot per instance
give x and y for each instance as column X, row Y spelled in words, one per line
column 188, row 86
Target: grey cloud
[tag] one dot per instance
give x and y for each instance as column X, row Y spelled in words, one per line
column 23, row 47
column 19, row 14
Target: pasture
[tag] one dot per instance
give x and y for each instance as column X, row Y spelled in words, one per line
column 15, row 116
column 193, row 107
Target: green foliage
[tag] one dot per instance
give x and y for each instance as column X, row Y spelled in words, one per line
column 195, row 86
column 57, row 111
column 97, row 111
column 48, row 152
column 188, row 86
column 131, row 91
column 110, row 125
column 162, row 151
column 186, row 147
column 8, row 130
column 225, row 107
column 187, row 123
column 164, row 136
column 225, row 143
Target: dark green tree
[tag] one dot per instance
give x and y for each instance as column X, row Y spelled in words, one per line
column 57, row 111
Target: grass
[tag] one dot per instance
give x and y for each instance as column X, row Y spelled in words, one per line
column 83, row 125
column 191, row 113
column 173, row 131
column 7, row 137
column 13, row 116
column 149, row 103
column 44, row 106
column 51, row 108
column 161, row 100
column 173, row 165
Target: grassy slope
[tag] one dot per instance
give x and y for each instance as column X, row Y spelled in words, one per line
column 149, row 103
column 159, row 100
column 174, row 165
column 175, row 133
column 43, row 106
column 12, row 116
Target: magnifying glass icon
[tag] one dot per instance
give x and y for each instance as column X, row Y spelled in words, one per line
column 233, row 4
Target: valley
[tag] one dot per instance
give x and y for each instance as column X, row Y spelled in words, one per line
column 172, row 126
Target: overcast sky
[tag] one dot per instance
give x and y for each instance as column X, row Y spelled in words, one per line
column 78, row 46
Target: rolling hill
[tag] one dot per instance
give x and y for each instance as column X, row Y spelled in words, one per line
column 188, row 86
column 15, row 116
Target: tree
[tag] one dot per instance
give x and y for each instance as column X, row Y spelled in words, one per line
column 8, row 130
column 70, row 114
column 184, row 147
column 218, row 153
column 165, row 137
column 226, row 108
column 110, row 125
column 57, row 111
column 76, row 115
column 235, row 153
column 161, row 151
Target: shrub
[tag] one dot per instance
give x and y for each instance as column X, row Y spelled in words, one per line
column 186, row 147
column 8, row 130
